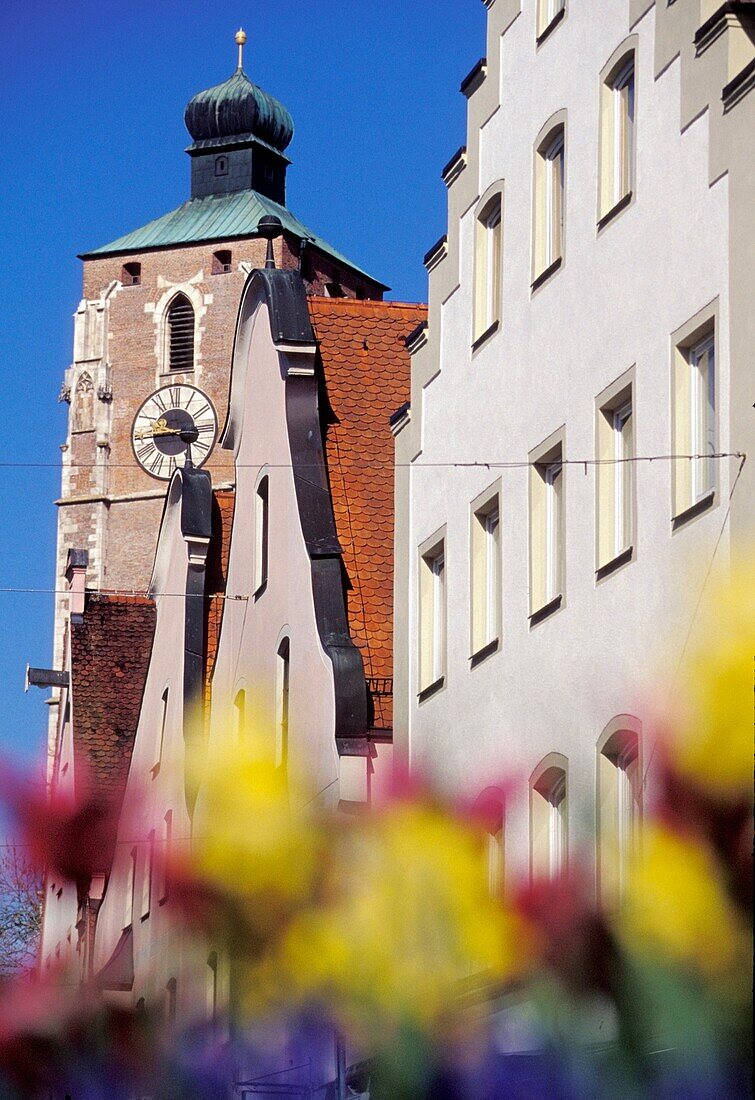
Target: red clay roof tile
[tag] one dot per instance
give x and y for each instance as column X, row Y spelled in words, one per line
column 110, row 653
column 367, row 375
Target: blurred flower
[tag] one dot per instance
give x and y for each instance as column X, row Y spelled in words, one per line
column 72, row 836
column 573, row 939
column 258, row 844
column 677, row 909
column 711, row 736
column 406, row 917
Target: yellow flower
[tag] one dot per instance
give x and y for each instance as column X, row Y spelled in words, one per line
column 407, row 919
column 712, row 741
column 677, row 909
column 255, row 838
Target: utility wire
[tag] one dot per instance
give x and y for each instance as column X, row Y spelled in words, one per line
column 743, row 459
column 382, row 464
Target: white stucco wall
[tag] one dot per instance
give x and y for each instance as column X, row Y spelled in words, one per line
column 614, row 304
column 151, row 792
column 253, row 628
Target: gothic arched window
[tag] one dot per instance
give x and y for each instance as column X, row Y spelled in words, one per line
column 180, row 334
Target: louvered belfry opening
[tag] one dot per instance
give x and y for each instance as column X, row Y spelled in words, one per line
column 181, row 333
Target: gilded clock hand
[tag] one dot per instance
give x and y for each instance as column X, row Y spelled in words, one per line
column 158, row 427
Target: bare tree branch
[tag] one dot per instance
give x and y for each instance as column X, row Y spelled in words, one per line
column 20, row 910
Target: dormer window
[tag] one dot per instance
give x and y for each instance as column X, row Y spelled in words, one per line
column 180, row 333
column 334, row 290
column 131, row 274
column 221, row 166
column 221, row 261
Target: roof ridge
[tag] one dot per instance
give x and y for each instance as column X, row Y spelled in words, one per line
column 365, row 303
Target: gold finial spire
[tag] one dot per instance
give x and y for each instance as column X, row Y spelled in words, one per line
column 240, row 41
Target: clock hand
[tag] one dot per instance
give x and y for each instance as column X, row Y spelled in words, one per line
column 159, row 427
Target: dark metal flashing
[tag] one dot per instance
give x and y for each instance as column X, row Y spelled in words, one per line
column 458, row 155
column 744, row 8
column 319, row 530
column 474, row 78
column 235, row 141
column 693, row 511
column 545, row 275
column 46, row 677
column 485, row 336
column 421, row 327
column 353, row 746
column 485, row 652
column 546, row 611
column 401, row 411
column 196, row 502
column 739, row 86
column 431, row 689
column 615, row 563
column 192, row 489
column 285, row 295
column 432, row 252
column 118, row 972
column 77, row 559
column 547, row 31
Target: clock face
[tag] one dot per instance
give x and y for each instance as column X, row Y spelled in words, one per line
column 156, row 435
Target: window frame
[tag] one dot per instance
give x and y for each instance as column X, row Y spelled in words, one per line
column 164, row 702
column 617, row 133
column 547, row 527
column 485, row 574
column 548, row 15
column 130, row 897
column 261, row 534
column 619, row 749
column 615, row 482
column 282, row 701
column 165, row 857
column 432, row 615
column 689, row 497
column 549, row 190
column 488, row 258
column 147, row 875
column 702, row 414
column 549, row 818
column 177, row 300
column 239, row 714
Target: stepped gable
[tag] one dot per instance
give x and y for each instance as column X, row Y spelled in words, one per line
column 110, row 652
column 366, row 368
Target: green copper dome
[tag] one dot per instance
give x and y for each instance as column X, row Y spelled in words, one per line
column 238, row 108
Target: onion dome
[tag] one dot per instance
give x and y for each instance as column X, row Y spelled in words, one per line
column 238, row 109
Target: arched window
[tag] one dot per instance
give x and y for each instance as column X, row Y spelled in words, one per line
column 222, row 261
column 619, row 805
column 549, row 192
column 131, row 274
column 487, row 273
column 239, row 714
column 180, row 334
column 262, row 536
column 617, row 139
column 212, row 986
column 283, row 676
column 548, row 824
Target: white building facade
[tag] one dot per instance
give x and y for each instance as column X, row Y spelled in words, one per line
column 587, row 313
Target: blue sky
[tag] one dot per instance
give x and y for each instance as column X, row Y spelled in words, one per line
column 93, row 97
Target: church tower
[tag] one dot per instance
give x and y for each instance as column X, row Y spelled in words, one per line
column 154, row 331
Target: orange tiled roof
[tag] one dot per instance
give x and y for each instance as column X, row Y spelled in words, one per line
column 367, row 373
column 110, row 652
